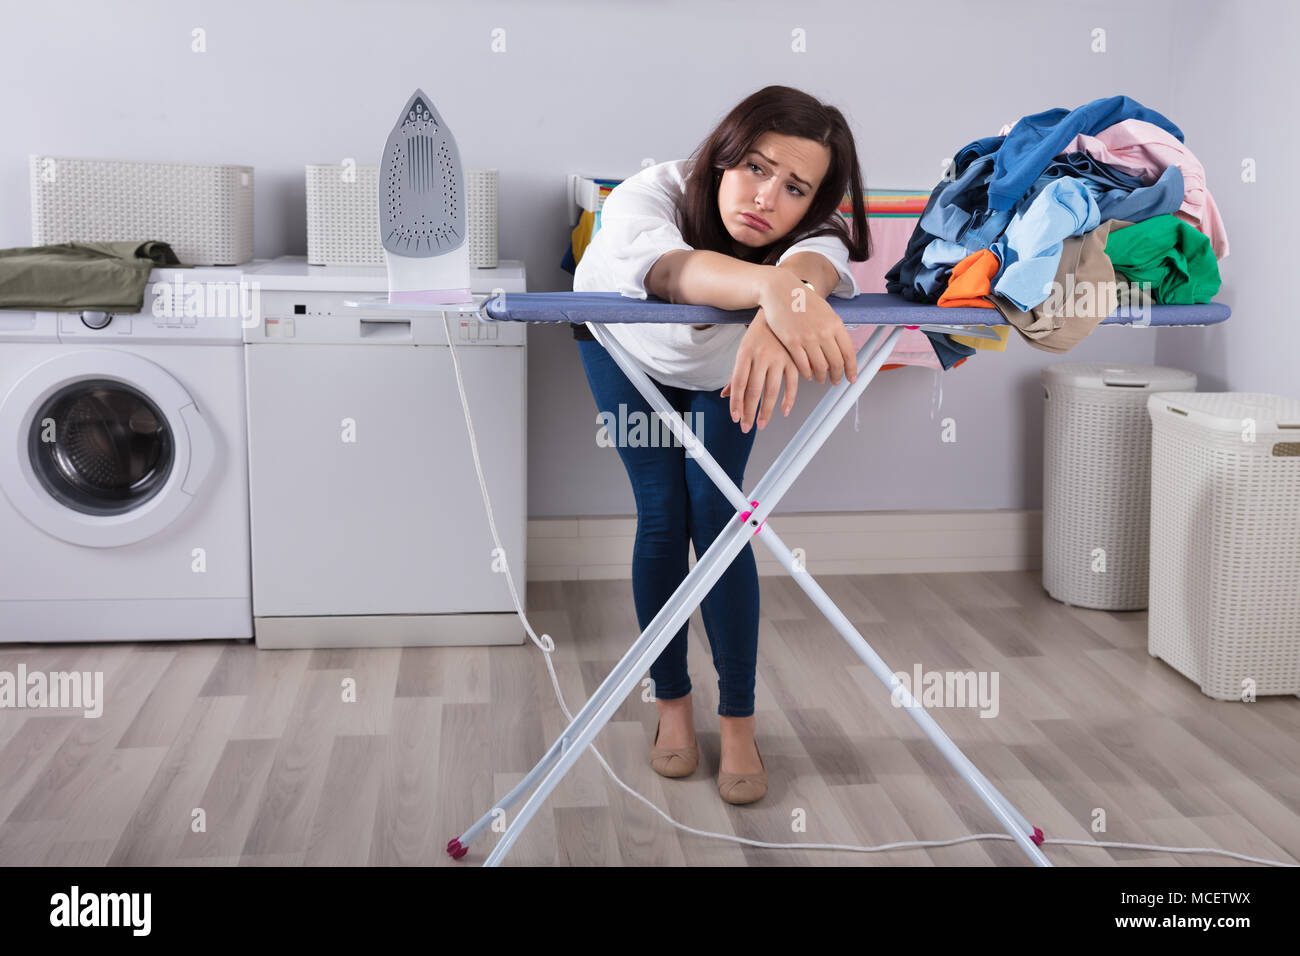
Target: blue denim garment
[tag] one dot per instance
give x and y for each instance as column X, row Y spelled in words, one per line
column 676, row 505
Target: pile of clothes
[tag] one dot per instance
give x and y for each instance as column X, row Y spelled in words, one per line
column 1059, row 219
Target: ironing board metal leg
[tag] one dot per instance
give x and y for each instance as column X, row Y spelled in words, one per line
column 701, row 578
column 1007, row 815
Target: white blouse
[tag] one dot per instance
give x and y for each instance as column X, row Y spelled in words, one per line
column 640, row 221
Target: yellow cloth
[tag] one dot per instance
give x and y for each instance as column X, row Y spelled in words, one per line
column 1003, row 331
column 582, row 233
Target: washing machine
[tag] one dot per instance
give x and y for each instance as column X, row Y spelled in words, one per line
column 124, row 469
column 368, row 527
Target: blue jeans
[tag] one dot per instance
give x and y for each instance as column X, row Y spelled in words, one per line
column 677, row 504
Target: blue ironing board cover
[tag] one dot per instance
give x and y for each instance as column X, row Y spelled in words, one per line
column 869, row 308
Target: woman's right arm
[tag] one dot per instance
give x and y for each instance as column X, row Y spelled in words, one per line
column 702, row 277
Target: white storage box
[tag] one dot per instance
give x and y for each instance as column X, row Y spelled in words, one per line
column 203, row 211
column 1096, row 480
column 1225, row 540
column 343, row 216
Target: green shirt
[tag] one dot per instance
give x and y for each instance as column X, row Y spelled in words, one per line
column 1170, row 254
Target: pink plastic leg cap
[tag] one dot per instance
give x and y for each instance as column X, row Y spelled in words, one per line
column 1038, row 837
column 456, row 850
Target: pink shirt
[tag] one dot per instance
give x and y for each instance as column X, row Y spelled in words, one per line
column 1145, row 150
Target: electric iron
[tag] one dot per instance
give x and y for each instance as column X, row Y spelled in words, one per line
column 422, row 212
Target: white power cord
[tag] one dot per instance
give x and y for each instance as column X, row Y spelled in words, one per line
column 547, row 646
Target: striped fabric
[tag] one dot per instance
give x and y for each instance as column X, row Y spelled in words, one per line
column 889, row 202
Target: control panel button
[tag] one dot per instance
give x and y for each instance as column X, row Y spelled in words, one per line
column 281, row 328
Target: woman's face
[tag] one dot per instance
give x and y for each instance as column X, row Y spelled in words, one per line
column 764, row 197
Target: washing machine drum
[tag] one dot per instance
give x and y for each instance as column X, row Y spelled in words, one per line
column 101, row 447
column 108, row 448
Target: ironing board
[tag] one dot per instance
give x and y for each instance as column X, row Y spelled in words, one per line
column 890, row 314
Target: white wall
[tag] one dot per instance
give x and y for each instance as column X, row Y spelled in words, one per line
column 1238, row 82
column 598, row 87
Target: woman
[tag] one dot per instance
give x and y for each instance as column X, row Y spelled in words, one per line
column 749, row 222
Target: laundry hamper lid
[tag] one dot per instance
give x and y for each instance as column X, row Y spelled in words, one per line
column 1107, row 375
column 1224, row 411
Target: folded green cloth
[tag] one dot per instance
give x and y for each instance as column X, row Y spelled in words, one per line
column 1171, row 255
column 110, row 276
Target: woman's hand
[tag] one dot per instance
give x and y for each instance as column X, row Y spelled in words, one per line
column 814, row 337
column 761, row 364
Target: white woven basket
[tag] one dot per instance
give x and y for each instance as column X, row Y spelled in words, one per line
column 1096, row 480
column 1225, row 540
column 203, row 211
column 343, row 216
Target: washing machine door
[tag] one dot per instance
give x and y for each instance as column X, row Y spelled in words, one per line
column 101, row 447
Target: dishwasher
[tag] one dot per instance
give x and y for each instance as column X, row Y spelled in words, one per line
column 366, row 518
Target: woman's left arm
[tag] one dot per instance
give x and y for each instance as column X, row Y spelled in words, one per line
column 810, row 329
column 816, row 268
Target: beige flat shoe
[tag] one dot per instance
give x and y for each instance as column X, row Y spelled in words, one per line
column 742, row 788
column 670, row 762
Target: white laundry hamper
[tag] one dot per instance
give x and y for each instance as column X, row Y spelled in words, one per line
column 204, row 211
column 1096, row 480
column 1225, row 540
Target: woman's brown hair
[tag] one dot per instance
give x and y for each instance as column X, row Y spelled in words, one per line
column 790, row 112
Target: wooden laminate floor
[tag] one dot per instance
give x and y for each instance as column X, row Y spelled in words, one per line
column 221, row 754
